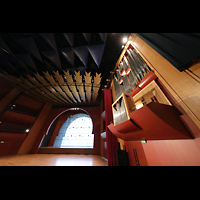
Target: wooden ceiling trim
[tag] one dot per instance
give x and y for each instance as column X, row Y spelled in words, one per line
column 58, row 90
column 81, row 91
column 64, row 86
column 71, row 84
column 29, row 85
column 75, row 93
column 96, row 86
column 44, row 95
column 95, row 93
column 55, row 85
column 97, row 79
column 69, row 78
column 49, row 90
column 88, row 88
column 78, row 77
column 39, row 88
column 88, row 85
column 46, row 91
column 62, row 94
column 88, row 77
column 40, row 91
column 79, row 84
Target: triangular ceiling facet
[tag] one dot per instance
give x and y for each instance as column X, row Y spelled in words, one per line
column 53, row 57
column 87, row 36
column 82, row 53
column 96, row 52
column 26, row 58
column 70, row 38
column 4, row 46
column 30, row 46
column 103, row 36
column 4, row 61
column 68, row 53
column 49, row 38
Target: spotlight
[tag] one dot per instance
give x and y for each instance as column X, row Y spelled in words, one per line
column 124, row 39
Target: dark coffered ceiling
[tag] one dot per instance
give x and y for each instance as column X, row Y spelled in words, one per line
column 61, row 68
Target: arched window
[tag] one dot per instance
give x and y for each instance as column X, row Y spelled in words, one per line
column 76, row 132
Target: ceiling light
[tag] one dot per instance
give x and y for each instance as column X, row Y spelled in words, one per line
column 124, row 39
column 27, row 130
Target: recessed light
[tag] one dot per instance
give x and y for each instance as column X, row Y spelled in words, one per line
column 124, row 39
column 27, row 130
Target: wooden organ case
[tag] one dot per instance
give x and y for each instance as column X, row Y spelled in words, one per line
column 141, row 110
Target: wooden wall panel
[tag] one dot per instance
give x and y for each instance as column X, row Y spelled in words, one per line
column 182, row 85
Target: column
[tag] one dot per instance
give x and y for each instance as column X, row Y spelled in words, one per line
column 32, row 136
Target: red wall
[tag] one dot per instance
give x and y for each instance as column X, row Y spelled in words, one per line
column 12, row 143
column 15, row 120
column 165, row 152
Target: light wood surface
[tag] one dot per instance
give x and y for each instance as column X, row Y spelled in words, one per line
column 52, row 160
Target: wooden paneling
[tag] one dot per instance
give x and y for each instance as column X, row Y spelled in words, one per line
column 184, row 86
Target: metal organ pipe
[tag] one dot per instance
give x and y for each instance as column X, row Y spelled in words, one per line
column 141, row 61
column 137, row 77
column 137, row 66
column 135, row 56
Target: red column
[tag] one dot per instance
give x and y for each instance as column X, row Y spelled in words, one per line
column 110, row 138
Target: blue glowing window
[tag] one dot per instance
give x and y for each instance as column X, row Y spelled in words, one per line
column 76, row 132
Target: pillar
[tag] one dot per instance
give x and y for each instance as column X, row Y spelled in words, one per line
column 32, row 136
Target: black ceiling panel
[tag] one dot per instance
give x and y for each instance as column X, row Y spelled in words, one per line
column 29, row 53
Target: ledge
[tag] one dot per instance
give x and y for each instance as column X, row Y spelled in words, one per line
column 154, row 121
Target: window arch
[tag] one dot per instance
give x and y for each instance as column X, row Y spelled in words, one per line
column 76, row 132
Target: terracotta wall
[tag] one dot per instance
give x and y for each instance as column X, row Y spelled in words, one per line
column 18, row 113
column 165, row 152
